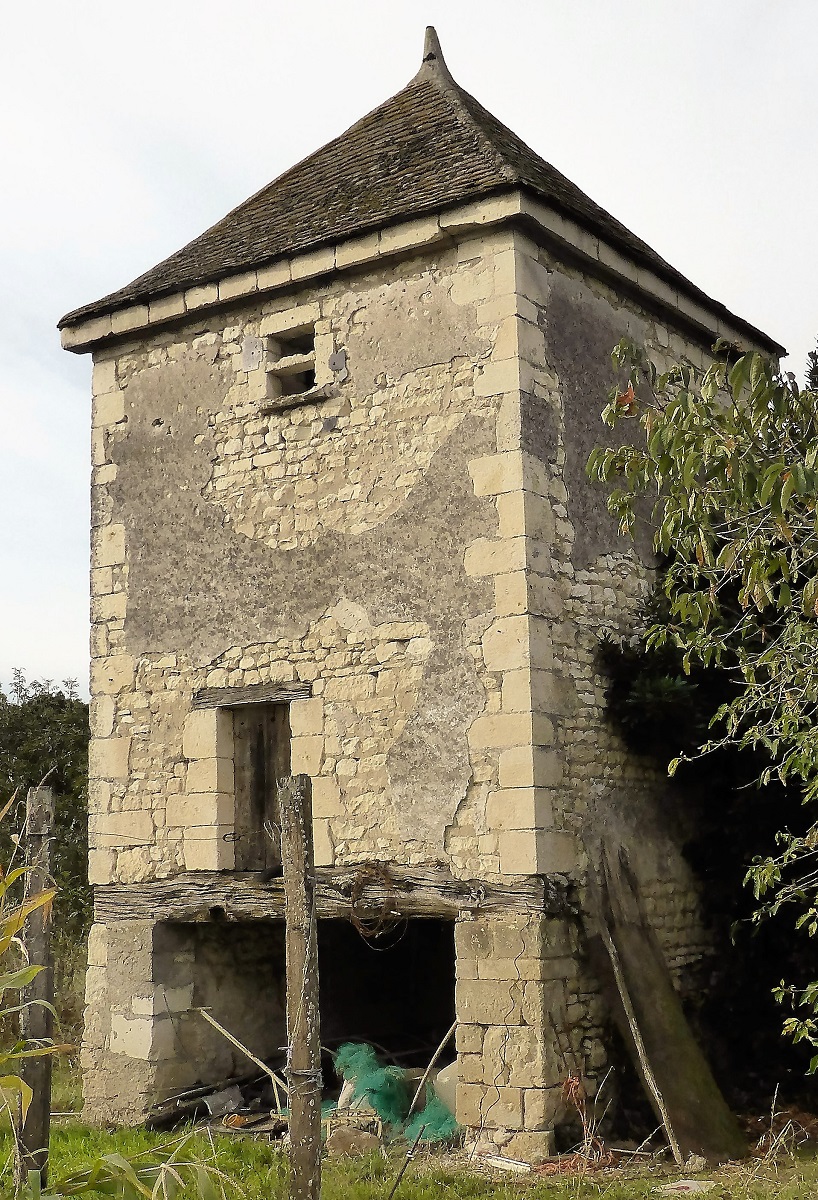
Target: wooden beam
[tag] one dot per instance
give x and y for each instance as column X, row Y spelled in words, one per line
column 423, row 891
column 257, row 693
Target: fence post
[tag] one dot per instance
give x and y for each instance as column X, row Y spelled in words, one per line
column 303, row 1022
column 36, row 1020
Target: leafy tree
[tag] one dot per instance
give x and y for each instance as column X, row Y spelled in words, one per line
column 731, row 456
column 44, row 733
column 812, row 369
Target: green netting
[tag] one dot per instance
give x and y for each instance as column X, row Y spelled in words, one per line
column 434, row 1124
column 382, row 1087
column 389, row 1093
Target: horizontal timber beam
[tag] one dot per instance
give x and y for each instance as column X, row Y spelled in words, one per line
column 257, row 693
column 368, row 889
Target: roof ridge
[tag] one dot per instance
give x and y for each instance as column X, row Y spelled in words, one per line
column 434, row 69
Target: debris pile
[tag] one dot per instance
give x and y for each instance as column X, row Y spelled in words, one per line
column 370, row 1098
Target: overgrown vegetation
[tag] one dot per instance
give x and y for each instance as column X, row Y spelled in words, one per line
column 44, row 734
column 260, row 1172
column 731, row 455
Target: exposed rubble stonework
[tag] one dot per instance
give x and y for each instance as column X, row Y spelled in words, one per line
column 411, row 539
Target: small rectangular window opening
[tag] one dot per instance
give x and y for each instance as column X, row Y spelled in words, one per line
column 291, row 362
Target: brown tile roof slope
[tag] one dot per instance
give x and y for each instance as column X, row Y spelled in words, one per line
column 430, row 146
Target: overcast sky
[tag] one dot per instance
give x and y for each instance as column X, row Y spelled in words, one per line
column 129, row 126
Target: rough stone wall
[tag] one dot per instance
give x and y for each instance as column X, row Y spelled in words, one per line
column 143, row 1035
column 326, row 544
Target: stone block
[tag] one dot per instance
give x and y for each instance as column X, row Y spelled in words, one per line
column 488, row 1001
column 201, row 808
column 409, row 234
column 316, row 262
column 511, row 513
column 274, row 275
column 507, row 342
column 85, row 333
column 520, row 808
column 558, row 852
column 494, row 730
column 481, row 212
column 306, row 754
column 210, row 775
column 350, row 687
column 103, row 378
column 112, row 674
column 108, row 757
column 109, row 608
column 108, row 409
column 165, row 307
column 101, row 581
column 357, row 250
column 208, row 733
column 549, row 692
column 238, row 285
column 102, row 716
column 135, row 317
column 533, row 282
column 506, row 643
column 473, row 938
column 505, row 271
column 207, row 850
column 101, row 865
column 134, row 828
column 504, row 1108
column 326, row 797
column 516, row 689
column 531, row 1146
column 494, row 556
column 497, row 378
column 541, row 644
column 131, row 1036
column 323, row 847
column 537, row 852
column 542, row 735
column 547, row 599
column 518, row 852
column 200, row 297
column 469, row 1039
column 526, row 765
column 497, row 473
column 539, row 518
column 307, row 717
column 161, row 1001
column 471, row 287
column 97, row 945
column 108, row 546
column 99, row 796
column 511, row 594
column 471, row 1099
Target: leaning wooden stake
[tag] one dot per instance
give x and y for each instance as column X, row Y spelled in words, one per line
column 37, row 1021
column 638, row 1041
column 303, row 1027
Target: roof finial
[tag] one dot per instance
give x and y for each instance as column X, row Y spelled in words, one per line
column 434, row 64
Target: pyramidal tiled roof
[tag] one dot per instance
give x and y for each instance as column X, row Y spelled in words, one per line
column 430, row 146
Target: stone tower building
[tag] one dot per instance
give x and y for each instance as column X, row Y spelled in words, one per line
column 341, row 526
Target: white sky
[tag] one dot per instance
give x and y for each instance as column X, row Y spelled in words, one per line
column 129, row 126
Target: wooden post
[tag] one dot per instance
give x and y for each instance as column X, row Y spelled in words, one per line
column 37, row 1021
column 303, row 1022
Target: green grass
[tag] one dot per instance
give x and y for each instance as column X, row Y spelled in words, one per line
column 260, row 1172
